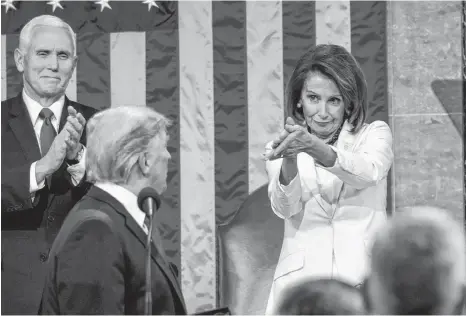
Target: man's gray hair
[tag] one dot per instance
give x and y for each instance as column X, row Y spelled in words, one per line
column 43, row 20
column 115, row 139
column 419, row 262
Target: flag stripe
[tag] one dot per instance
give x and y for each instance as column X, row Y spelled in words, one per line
column 265, row 82
column 4, row 68
column 299, row 33
column 333, row 23
column 93, row 69
column 14, row 82
column 128, row 68
column 162, row 94
column 197, row 160
column 230, row 104
column 368, row 45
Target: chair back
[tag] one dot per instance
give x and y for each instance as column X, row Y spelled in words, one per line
column 248, row 248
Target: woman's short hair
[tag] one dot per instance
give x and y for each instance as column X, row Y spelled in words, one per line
column 43, row 20
column 336, row 63
column 115, row 139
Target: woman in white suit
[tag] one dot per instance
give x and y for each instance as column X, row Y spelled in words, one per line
column 327, row 172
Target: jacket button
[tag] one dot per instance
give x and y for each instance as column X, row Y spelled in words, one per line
column 43, row 257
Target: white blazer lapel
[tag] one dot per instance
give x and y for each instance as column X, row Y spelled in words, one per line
column 346, row 142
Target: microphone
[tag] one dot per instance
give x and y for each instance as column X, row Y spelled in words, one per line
column 147, row 199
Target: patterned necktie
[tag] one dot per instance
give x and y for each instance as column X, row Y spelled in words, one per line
column 47, row 132
column 146, row 223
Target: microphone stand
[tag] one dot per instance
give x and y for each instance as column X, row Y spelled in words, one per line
column 148, row 297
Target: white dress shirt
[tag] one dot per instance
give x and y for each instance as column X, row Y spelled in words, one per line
column 128, row 199
column 34, row 108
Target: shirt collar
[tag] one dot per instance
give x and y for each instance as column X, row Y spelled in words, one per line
column 125, row 197
column 34, row 107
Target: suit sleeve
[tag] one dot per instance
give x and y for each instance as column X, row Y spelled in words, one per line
column 370, row 163
column 76, row 175
column 16, row 194
column 285, row 200
column 89, row 271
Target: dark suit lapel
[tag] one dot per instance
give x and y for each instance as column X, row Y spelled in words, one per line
column 165, row 267
column 155, row 254
column 22, row 128
column 137, row 231
column 64, row 114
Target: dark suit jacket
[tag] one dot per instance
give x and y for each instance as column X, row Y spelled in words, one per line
column 28, row 229
column 97, row 264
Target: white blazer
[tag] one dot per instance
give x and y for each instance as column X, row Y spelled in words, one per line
column 331, row 214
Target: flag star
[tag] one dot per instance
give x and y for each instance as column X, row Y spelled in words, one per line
column 55, row 4
column 150, row 3
column 104, row 4
column 8, row 4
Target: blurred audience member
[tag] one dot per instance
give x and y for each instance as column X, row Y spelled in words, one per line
column 321, row 297
column 418, row 265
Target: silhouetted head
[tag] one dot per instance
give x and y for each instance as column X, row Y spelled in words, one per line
column 418, row 265
column 320, row 297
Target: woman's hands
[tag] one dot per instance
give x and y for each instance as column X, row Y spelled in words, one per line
column 291, row 141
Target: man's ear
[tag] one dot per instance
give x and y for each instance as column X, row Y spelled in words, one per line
column 19, row 60
column 143, row 164
column 75, row 62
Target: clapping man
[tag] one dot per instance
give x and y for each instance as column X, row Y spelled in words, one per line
column 43, row 151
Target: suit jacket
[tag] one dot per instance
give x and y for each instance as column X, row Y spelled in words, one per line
column 331, row 214
column 28, row 229
column 97, row 264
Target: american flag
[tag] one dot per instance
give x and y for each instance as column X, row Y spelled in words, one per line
column 218, row 69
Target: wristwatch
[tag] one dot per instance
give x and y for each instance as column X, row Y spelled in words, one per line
column 78, row 157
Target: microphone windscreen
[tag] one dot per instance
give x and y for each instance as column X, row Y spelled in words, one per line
column 148, row 192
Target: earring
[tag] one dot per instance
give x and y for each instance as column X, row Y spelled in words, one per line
column 299, row 104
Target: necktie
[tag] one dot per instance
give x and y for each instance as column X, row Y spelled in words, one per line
column 47, row 132
column 147, row 223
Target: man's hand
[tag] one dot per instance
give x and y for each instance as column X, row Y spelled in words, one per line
column 75, row 124
column 54, row 157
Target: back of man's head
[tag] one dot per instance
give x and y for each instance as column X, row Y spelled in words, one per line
column 321, row 297
column 418, row 264
column 117, row 136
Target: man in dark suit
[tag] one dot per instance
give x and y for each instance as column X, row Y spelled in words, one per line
column 97, row 261
column 42, row 159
